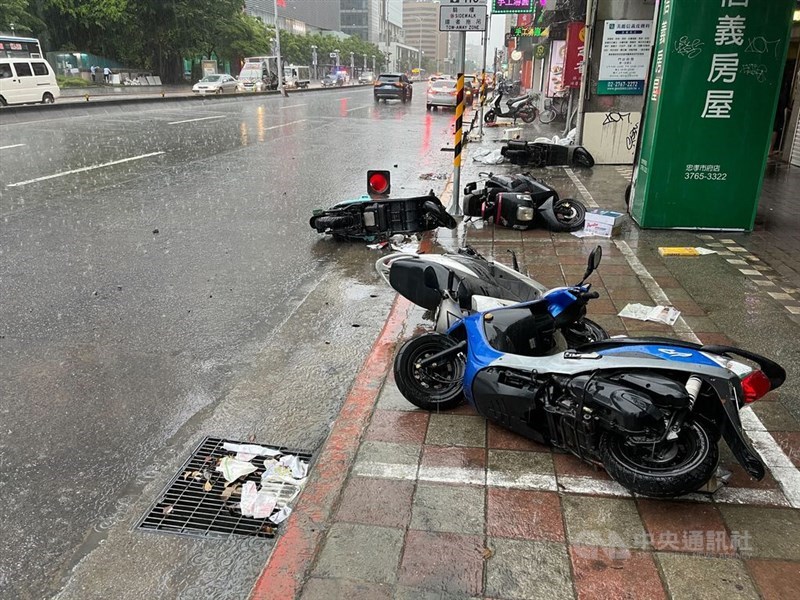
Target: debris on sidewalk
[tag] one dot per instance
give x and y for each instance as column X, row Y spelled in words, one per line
column 659, row 314
column 487, row 156
column 255, row 503
column 433, row 176
column 684, row 251
column 602, row 223
column 378, row 245
column 567, row 140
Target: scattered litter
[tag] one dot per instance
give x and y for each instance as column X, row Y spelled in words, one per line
column 255, row 503
column 249, row 451
column 378, row 245
column 299, row 467
column 281, row 515
column 659, row 314
column 284, row 492
column 233, row 468
column 430, row 176
column 582, row 233
column 684, row 251
column 488, row 156
column 568, row 140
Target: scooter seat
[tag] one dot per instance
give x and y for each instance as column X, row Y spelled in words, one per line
column 516, row 99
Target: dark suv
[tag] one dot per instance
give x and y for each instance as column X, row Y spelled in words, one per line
column 392, row 85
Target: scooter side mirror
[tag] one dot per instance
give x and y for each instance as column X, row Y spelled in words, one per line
column 594, row 262
column 430, row 279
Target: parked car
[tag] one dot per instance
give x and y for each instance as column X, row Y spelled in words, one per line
column 27, row 80
column 393, row 85
column 366, row 77
column 216, row 84
column 441, row 92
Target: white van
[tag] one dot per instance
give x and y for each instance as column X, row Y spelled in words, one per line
column 27, row 80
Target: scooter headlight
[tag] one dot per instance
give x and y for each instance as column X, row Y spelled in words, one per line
column 525, row 213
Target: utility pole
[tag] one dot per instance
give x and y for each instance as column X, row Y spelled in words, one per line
column 314, row 60
column 278, row 50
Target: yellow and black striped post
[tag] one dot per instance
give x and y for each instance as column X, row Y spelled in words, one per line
column 455, row 207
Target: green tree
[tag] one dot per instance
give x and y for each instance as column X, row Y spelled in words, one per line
column 16, row 14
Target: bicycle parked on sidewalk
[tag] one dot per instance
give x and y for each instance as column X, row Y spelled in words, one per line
column 556, row 108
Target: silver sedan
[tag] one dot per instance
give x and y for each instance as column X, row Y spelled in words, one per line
column 441, row 92
column 216, row 84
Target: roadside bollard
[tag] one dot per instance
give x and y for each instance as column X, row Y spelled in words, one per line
column 86, row 96
column 162, row 93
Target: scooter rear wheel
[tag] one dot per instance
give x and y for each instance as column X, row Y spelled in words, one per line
column 433, row 388
column 528, row 114
column 490, row 117
column 671, row 468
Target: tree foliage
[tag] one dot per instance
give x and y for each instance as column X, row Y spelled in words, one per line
column 158, row 34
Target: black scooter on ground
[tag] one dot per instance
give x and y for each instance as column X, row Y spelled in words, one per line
column 520, row 202
column 542, row 154
column 377, row 217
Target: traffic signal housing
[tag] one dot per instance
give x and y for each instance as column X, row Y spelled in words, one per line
column 379, row 183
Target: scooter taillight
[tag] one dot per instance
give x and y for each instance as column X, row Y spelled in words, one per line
column 755, row 386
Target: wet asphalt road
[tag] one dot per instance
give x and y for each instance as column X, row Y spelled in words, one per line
column 181, row 293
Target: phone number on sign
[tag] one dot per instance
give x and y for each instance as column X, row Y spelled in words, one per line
column 706, row 176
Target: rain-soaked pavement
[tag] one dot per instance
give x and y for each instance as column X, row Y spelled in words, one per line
column 159, row 283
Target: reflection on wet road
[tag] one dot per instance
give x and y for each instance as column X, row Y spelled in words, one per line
column 159, row 282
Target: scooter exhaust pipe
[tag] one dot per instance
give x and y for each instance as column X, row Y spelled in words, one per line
column 433, row 359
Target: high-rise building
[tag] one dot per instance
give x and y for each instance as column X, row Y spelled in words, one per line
column 298, row 16
column 421, row 27
column 376, row 21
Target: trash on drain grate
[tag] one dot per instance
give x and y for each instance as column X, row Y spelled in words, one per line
column 217, row 494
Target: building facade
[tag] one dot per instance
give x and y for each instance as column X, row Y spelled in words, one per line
column 421, row 27
column 376, row 21
column 298, row 16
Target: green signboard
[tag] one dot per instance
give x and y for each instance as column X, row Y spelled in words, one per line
column 710, row 106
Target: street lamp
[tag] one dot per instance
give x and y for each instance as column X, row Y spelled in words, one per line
column 352, row 66
column 373, row 63
column 365, row 62
column 314, row 60
column 336, row 52
column 419, row 47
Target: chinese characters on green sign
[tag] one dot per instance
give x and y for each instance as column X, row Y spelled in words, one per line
column 710, row 107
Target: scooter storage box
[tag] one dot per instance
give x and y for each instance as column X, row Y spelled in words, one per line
column 395, row 215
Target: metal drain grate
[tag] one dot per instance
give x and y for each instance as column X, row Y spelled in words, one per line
column 184, row 507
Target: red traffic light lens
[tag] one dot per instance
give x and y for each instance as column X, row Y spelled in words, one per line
column 378, row 182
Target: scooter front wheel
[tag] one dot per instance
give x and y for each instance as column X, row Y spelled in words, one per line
column 434, row 388
column 490, row 117
column 570, row 214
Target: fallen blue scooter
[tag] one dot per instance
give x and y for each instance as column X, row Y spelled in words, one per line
column 651, row 411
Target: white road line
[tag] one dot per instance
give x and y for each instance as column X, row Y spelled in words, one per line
column 783, row 470
column 11, row 146
column 284, row 124
column 84, row 169
column 198, row 119
column 587, row 197
column 585, row 486
column 293, row 106
column 358, row 108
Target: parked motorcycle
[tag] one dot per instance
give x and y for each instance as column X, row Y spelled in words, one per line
column 376, row 216
column 520, row 202
column 516, row 107
column 469, row 283
column 650, row 411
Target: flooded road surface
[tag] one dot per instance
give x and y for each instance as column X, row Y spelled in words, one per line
column 159, row 282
